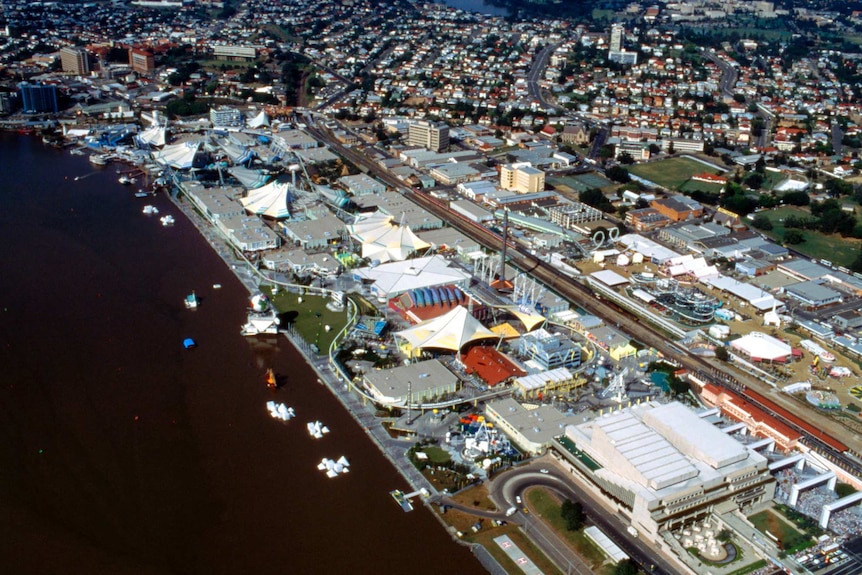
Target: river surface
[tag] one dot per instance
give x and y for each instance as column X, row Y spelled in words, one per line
column 479, row 6
column 123, row 453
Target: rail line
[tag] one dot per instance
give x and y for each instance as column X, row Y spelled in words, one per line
column 832, row 448
column 828, row 446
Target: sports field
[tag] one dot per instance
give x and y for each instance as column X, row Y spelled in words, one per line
column 840, row 251
column 671, row 173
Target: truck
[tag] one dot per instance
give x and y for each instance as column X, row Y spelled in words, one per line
column 632, row 531
column 511, row 511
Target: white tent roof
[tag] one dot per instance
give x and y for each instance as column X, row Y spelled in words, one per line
column 260, row 120
column 762, row 346
column 180, row 156
column 398, row 277
column 451, row 331
column 384, row 241
column 249, row 178
column 154, row 136
column 269, row 200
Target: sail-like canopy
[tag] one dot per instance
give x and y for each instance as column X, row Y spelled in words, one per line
column 270, row 200
column 259, row 121
column 180, row 156
column 451, row 331
column 237, row 154
column 384, row 241
column 249, row 178
column 153, row 136
column 529, row 319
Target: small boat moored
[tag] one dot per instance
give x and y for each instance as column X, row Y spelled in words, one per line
column 271, row 381
column 167, row 220
column 189, row 343
column 150, row 210
column 192, row 301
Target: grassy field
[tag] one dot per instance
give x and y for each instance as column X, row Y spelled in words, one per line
column 789, row 536
column 671, row 173
column 547, row 507
column 691, row 186
column 309, row 317
column 840, row 251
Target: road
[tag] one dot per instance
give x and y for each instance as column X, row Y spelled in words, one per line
column 535, row 74
column 505, row 487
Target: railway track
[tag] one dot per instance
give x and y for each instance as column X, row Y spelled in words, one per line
column 830, row 447
column 825, row 444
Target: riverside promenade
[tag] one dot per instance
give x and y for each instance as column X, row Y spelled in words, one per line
column 362, row 411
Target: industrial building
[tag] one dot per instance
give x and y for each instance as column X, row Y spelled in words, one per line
column 414, row 383
column 663, row 467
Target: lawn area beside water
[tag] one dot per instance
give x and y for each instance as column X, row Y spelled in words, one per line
column 840, row 251
column 309, row 317
column 671, row 173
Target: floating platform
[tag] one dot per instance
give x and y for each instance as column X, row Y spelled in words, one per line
column 402, row 500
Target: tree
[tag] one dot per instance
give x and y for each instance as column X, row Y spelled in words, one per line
column 754, row 181
column 618, row 174
column 799, row 198
column 793, row 237
column 572, row 513
column 762, row 222
column 856, row 266
column 595, row 198
column 626, row 158
column 626, row 567
column 721, row 353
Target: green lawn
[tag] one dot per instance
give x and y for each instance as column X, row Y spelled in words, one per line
column 436, row 455
column 546, row 507
column 838, row 250
column 789, row 536
column 309, row 317
column 691, row 186
column 671, row 173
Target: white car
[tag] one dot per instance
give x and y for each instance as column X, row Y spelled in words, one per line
column 543, row 470
column 518, row 499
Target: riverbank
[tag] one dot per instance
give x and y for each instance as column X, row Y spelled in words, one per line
column 126, row 454
column 394, row 450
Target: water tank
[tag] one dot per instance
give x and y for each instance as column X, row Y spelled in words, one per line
column 637, row 258
column 623, row 260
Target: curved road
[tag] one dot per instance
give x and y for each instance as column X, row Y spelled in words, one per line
column 512, row 483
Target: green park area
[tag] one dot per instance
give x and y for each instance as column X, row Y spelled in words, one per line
column 309, row 316
column 671, row 173
column 834, row 248
column 789, row 538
